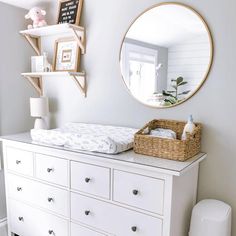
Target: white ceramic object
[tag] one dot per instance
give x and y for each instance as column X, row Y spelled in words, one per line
column 211, row 217
column 39, row 108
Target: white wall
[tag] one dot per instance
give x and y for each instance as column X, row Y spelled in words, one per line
column 14, row 91
column 109, row 102
column 190, row 60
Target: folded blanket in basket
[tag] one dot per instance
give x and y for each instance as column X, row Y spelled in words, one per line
column 163, row 133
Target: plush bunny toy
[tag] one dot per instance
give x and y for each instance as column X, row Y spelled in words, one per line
column 37, row 15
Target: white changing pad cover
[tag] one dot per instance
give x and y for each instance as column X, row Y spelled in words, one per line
column 88, row 137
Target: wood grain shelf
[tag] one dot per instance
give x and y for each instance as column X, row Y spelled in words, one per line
column 35, row 79
column 33, row 36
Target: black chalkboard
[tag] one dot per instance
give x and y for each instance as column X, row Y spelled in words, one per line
column 69, row 11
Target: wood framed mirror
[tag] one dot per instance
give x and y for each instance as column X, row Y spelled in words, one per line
column 166, row 55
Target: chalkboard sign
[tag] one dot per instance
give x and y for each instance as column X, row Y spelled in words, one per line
column 69, row 11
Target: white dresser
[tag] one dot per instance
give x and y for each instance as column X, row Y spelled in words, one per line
column 58, row 192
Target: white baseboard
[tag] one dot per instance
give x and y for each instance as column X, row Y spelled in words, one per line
column 3, row 222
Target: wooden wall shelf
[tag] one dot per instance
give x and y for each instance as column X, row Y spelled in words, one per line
column 35, row 79
column 33, row 36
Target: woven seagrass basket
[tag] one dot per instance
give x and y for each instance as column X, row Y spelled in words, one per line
column 173, row 149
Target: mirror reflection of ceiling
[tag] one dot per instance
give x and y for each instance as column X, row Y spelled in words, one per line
column 171, row 23
column 166, row 55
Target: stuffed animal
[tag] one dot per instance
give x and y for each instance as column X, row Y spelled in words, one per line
column 37, row 15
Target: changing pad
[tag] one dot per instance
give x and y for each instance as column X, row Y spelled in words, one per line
column 88, row 137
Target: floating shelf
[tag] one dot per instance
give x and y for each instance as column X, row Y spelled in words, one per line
column 33, row 36
column 35, row 79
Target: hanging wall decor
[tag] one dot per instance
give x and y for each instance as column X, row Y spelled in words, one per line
column 66, row 55
column 69, row 11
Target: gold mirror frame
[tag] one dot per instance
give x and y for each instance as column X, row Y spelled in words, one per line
column 211, row 50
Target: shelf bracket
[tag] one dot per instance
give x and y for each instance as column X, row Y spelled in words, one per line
column 82, row 86
column 80, row 38
column 34, row 43
column 36, row 82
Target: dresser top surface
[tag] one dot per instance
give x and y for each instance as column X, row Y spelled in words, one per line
column 165, row 166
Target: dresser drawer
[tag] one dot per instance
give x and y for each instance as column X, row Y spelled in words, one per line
column 139, row 191
column 20, row 161
column 20, row 188
column 90, row 179
column 77, row 230
column 113, row 219
column 52, row 169
column 26, row 221
column 50, row 198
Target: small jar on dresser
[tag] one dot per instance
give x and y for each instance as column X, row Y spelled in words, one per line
column 59, row 192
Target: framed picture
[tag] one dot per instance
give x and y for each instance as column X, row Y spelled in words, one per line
column 69, row 11
column 66, row 55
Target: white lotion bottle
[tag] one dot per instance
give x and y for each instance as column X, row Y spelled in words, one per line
column 189, row 128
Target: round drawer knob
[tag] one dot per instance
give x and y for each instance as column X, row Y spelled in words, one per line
column 87, row 180
column 19, row 189
column 51, row 232
column 87, row 213
column 50, row 199
column 20, row 218
column 134, row 228
column 49, row 170
column 135, row 192
column 18, row 162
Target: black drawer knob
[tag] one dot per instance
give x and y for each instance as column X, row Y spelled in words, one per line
column 87, row 180
column 49, row 170
column 50, row 199
column 18, row 162
column 20, row 218
column 51, row 232
column 19, row 189
column 135, row 192
column 134, row 228
column 87, row 213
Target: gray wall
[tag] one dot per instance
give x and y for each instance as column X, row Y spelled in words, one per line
column 109, row 102
column 14, row 91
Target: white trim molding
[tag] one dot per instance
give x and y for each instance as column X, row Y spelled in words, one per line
column 3, row 222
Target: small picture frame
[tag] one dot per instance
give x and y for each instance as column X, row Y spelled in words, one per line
column 66, row 55
column 69, row 11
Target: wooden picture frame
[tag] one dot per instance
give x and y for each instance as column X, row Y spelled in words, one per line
column 66, row 55
column 69, row 11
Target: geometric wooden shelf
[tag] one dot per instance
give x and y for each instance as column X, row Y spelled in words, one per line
column 33, row 36
column 35, row 79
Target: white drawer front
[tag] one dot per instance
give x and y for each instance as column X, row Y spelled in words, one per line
column 90, row 179
column 51, row 198
column 139, row 191
column 20, row 161
column 20, row 188
column 27, row 221
column 78, row 230
column 52, row 169
column 113, row 219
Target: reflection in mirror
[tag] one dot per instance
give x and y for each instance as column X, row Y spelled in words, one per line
column 166, row 55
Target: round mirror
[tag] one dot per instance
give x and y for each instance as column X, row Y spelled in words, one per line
column 166, row 55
